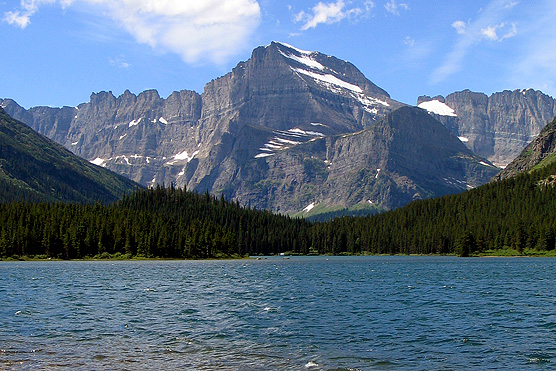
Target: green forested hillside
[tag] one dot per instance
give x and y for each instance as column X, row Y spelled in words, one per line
column 167, row 223
column 518, row 213
column 34, row 168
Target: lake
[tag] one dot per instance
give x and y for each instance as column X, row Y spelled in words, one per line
column 302, row 313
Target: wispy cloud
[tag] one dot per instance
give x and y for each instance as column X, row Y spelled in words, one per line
column 119, row 62
column 491, row 32
column 329, row 13
column 487, row 26
column 22, row 17
column 208, row 30
column 409, row 41
column 393, row 7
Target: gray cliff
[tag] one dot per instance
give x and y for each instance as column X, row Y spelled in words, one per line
column 500, row 126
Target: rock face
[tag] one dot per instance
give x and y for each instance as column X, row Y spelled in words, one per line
column 496, row 127
column 285, row 129
column 541, row 151
column 406, row 156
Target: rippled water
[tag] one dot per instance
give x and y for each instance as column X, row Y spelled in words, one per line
column 304, row 313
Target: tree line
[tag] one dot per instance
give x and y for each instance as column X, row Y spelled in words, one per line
column 518, row 213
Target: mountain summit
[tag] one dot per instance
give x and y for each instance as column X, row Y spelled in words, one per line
column 284, row 130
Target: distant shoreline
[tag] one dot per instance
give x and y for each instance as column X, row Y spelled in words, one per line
column 489, row 254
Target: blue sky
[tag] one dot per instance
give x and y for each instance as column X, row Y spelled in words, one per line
column 57, row 52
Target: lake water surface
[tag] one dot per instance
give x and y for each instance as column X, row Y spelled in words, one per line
column 302, row 313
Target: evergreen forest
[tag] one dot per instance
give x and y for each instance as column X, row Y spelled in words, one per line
column 517, row 214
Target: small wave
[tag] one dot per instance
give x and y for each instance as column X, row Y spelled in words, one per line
column 22, row 313
column 270, row 309
column 311, row 364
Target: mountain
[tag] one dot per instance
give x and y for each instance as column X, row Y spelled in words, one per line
column 539, row 153
column 34, row 168
column 408, row 155
column 496, row 127
column 287, row 130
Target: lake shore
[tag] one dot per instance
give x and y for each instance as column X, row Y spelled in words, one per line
column 505, row 253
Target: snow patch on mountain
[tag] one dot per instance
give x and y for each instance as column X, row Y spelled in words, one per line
column 303, row 132
column 99, row 162
column 182, row 156
column 437, row 107
column 309, row 207
column 463, row 139
column 294, row 48
column 328, row 80
column 365, row 100
column 457, row 182
column 135, row 122
column 304, row 59
column 285, row 139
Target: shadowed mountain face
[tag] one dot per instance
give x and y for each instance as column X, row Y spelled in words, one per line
column 34, row 168
column 496, row 127
column 284, row 130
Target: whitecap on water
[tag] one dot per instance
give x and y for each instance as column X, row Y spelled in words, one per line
column 311, row 364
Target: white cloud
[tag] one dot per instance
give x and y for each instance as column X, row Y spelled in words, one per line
column 19, row 19
column 459, row 26
column 22, row 17
column 393, row 7
column 210, row 30
column 329, row 13
column 491, row 32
